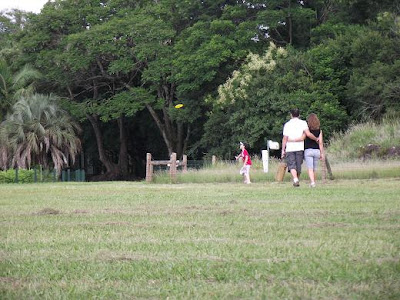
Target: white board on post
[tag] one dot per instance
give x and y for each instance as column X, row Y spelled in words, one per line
column 265, row 158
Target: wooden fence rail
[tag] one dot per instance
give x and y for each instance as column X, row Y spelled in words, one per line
column 173, row 164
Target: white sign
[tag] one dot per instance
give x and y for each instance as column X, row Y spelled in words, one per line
column 273, row 145
column 265, row 154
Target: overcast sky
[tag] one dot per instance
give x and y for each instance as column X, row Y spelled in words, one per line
column 26, row 5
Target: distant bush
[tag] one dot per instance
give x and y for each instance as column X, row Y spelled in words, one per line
column 367, row 140
column 25, row 176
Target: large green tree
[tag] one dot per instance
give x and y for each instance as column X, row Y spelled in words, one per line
column 360, row 65
column 121, row 63
column 86, row 50
column 117, row 58
column 254, row 103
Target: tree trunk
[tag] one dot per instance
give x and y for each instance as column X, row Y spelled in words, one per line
column 123, row 150
column 290, row 23
column 185, row 143
column 173, row 136
column 161, row 127
column 113, row 171
column 171, row 132
column 179, row 141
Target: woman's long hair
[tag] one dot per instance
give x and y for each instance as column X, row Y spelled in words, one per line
column 313, row 122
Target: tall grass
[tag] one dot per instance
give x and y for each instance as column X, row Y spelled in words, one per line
column 222, row 171
column 348, row 145
column 229, row 171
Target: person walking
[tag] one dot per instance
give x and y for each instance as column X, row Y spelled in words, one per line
column 313, row 148
column 245, row 170
column 293, row 146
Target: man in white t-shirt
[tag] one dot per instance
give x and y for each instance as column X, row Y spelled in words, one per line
column 294, row 151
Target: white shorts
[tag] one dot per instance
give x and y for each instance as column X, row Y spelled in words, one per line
column 245, row 170
column 311, row 156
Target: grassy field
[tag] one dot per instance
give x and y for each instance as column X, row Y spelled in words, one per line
column 267, row 240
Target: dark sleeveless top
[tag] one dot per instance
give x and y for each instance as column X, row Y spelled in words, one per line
column 309, row 143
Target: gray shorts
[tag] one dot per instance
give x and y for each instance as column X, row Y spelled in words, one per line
column 294, row 160
column 311, row 157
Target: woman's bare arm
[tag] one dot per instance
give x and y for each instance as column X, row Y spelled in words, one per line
column 321, row 146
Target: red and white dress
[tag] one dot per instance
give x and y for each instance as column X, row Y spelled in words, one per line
column 245, row 169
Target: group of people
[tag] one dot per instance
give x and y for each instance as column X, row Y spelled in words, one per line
column 301, row 141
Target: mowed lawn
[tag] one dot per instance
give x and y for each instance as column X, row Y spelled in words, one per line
column 126, row 240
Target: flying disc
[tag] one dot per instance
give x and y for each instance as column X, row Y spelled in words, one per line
column 179, row 105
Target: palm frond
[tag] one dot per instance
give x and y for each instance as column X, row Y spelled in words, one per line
column 38, row 129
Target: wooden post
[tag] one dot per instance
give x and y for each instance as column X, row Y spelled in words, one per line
column 149, row 168
column 326, row 168
column 323, row 170
column 213, row 160
column 184, row 163
column 172, row 167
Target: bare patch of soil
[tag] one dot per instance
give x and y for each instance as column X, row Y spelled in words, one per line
column 48, row 211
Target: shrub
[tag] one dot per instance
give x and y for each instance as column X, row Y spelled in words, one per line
column 367, row 140
column 9, row 176
column 25, row 176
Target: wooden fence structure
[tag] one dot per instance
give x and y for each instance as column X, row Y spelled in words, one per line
column 172, row 163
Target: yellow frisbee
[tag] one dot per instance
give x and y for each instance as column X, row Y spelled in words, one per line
column 179, row 105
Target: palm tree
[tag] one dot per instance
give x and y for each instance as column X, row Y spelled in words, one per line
column 14, row 85
column 38, row 131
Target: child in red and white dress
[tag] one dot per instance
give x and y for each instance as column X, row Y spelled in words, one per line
column 245, row 170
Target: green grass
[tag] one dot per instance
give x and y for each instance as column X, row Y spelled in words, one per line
column 348, row 145
column 127, row 240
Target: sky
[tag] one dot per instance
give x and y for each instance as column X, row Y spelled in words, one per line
column 26, row 5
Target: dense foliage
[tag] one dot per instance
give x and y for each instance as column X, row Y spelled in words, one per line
column 237, row 67
column 38, row 132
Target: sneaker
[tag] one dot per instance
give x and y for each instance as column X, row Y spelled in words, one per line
column 296, row 183
column 312, row 185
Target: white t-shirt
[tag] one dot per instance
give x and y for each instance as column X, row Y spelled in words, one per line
column 294, row 129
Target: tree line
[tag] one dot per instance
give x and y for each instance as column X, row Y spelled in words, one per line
column 119, row 67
